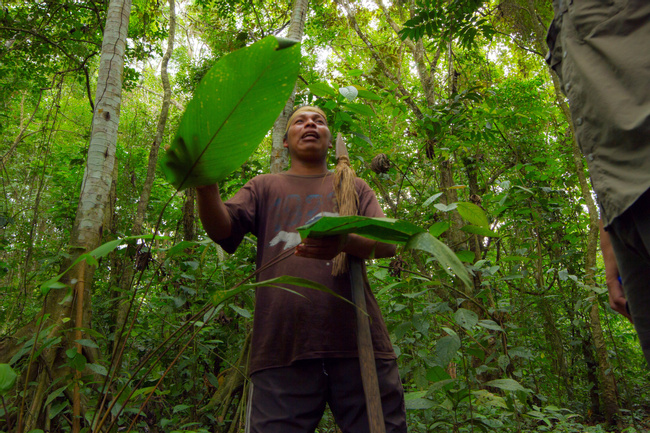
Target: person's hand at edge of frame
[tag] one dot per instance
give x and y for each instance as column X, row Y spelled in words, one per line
column 612, row 277
column 617, row 297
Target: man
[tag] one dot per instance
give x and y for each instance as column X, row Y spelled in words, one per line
column 304, row 350
column 600, row 52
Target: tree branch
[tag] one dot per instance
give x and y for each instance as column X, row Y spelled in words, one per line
column 173, row 101
column 380, row 62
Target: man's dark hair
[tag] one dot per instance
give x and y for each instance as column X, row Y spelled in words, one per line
column 317, row 109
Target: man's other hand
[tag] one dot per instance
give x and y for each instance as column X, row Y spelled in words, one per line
column 325, row 248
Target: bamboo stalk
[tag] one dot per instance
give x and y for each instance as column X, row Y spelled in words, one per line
column 76, row 397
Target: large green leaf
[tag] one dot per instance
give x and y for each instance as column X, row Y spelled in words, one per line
column 389, row 230
column 442, row 253
column 55, row 394
column 466, row 318
column 507, row 384
column 379, row 229
column 446, row 349
column 322, row 89
column 437, row 373
column 417, row 400
column 362, row 109
column 233, row 108
column 473, row 214
column 365, row 94
column 439, row 228
column 482, row 231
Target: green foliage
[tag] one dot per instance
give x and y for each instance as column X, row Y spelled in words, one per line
column 91, row 259
column 7, row 378
column 448, row 20
column 43, row 38
column 233, row 108
column 486, row 168
column 442, row 253
column 344, row 115
column 472, row 214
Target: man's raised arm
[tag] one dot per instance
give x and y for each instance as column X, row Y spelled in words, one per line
column 213, row 212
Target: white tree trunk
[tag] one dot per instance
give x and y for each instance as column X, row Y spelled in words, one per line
column 88, row 226
column 279, row 154
column 98, row 176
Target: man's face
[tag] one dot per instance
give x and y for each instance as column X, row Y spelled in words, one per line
column 308, row 137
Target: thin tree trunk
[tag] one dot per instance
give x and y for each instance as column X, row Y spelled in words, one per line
column 279, row 154
column 608, row 388
column 127, row 269
column 455, row 238
column 592, row 374
column 427, row 78
column 160, row 129
column 189, row 215
column 546, row 310
column 554, row 338
column 23, row 125
column 41, row 183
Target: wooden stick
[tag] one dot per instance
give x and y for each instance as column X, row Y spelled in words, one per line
column 366, row 351
column 347, row 202
column 76, row 399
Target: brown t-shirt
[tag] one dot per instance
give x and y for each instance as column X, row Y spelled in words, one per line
column 288, row 327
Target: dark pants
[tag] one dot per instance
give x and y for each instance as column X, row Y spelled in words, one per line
column 630, row 236
column 292, row 399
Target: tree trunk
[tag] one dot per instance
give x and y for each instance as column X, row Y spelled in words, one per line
column 95, row 188
column 554, row 339
column 279, row 154
column 89, row 222
column 592, row 374
column 427, row 79
column 189, row 215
